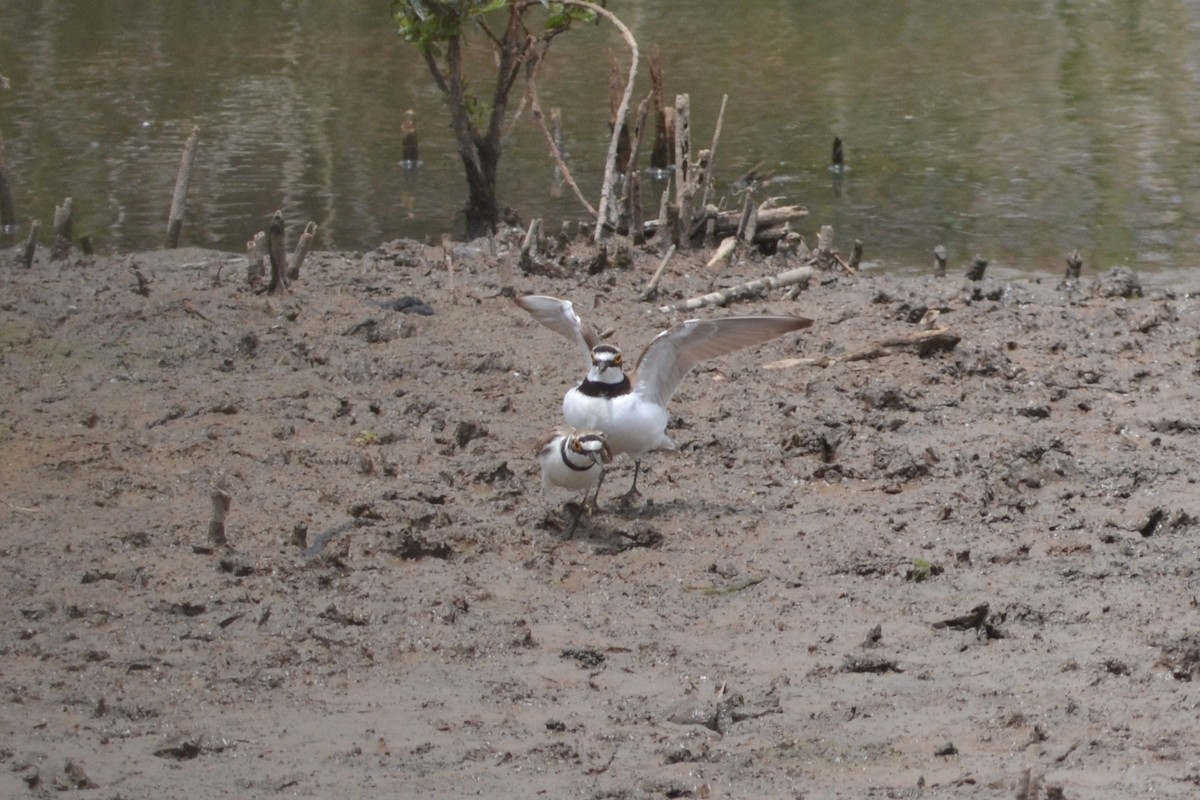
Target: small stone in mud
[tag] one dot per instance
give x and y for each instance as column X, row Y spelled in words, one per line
column 179, row 749
column 948, row 749
column 412, row 548
column 586, row 658
column 466, row 432
column 407, row 304
column 1117, row 282
column 876, row 665
column 74, row 777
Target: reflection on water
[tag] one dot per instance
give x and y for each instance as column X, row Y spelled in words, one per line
column 1018, row 130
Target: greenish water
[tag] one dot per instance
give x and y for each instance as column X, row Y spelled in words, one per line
column 1017, row 130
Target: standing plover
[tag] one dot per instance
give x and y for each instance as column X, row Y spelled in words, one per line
column 573, row 459
column 631, row 409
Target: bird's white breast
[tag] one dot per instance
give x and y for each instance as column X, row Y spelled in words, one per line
column 630, row 424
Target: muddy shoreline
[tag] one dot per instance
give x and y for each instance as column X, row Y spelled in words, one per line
column 969, row 571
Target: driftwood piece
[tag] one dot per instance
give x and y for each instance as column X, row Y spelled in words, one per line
column 8, row 214
column 277, row 252
column 62, row 230
column 729, row 223
column 723, row 255
column 35, row 227
column 303, row 245
column 753, row 288
column 921, row 342
column 182, row 179
column 771, row 223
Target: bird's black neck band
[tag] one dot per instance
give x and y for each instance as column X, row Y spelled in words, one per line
column 566, row 457
column 592, row 388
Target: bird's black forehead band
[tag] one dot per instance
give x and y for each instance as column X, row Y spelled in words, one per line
column 605, row 349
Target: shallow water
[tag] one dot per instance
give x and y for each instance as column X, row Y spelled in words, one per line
column 1016, row 130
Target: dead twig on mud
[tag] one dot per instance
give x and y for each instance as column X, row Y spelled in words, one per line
column 753, row 288
column 651, row 290
column 923, row 342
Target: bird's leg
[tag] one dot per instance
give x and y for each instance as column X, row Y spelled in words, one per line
column 595, row 506
column 578, row 514
column 633, row 493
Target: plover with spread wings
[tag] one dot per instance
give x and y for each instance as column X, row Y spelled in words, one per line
column 631, row 408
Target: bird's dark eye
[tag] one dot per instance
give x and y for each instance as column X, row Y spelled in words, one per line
column 577, row 445
column 617, row 359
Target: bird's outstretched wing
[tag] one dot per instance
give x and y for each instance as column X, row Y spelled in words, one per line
column 560, row 317
column 674, row 352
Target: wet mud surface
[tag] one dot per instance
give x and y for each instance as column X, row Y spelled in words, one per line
column 956, row 571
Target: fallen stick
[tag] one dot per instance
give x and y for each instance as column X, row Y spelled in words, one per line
column 791, row 277
column 722, row 256
column 729, row 222
column 923, row 342
column 651, row 290
column 179, row 199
